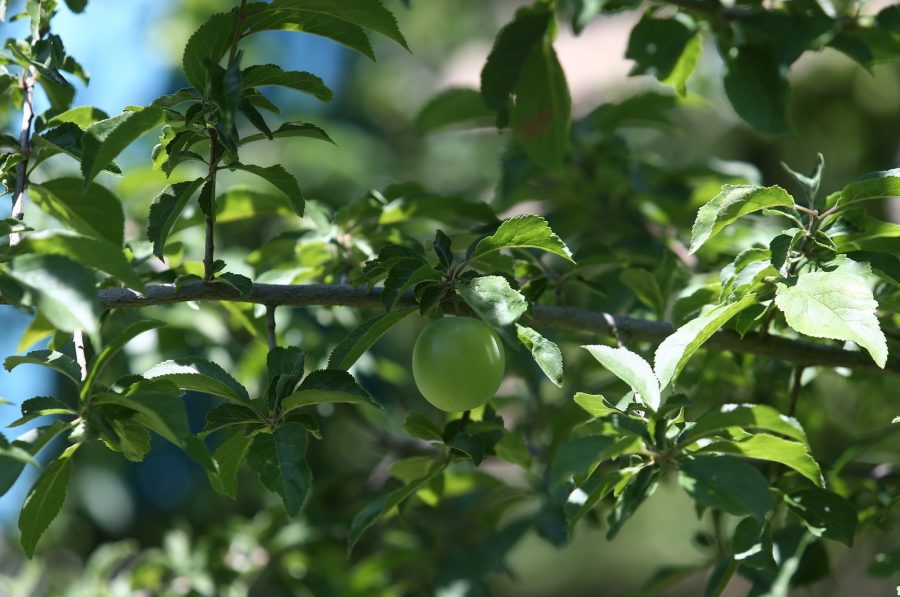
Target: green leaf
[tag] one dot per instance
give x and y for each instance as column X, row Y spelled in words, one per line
column 728, row 484
column 545, row 353
column 97, row 253
column 630, row 368
column 199, row 375
column 675, row 351
column 106, row 139
column 512, row 48
column 825, row 513
column 208, row 43
column 265, row 75
column 370, row 14
column 763, row 446
column 523, row 232
column 595, row 404
column 452, row 107
column 279, row 459
column 734, row 202
column 133, row 438
column 292, row 129
column 385, row 504
column 492, row 298
column 112, row 348
column 23, row 451
column 542, row 113
column 328, row 385
column 280, row 179
column 668, row 49
column 579, row 457
column 838, row 305
column 262, row 17
column 746, row 416
column 63, row 290
column 404, row 274
column 165, row 209
column 228, row 415
column 420, row 426
column 757, row 87
column 47, row 358
column 361, row 338
column 229, row 457
column 94, row 212
column 41, row 406
column 875, row 185
column 285, row 360
column 44, row 501
column 82, row 116
column 643, row 485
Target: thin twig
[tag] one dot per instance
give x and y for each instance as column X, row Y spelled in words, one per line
column 796, row 385
column 21, row 190
column 237, row 31
column 270, row 327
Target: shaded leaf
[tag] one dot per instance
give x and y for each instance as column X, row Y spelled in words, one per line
column 199, row 375
column 361, row 338
column 328, row 385
column 279, row 459
column 728, row 484
column 93, row 211
column 105, row 139
column 44, row 501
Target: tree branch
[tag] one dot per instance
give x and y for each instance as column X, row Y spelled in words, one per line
column 563, row 319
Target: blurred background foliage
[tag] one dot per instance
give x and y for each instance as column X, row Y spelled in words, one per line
column 643, row 161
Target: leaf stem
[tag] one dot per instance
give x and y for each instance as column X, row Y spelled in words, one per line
column 239, row 20
column 209, row 254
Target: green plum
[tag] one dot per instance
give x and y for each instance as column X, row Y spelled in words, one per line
column 458, row 363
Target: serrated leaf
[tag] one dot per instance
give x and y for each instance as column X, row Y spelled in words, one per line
column 523, row 232
column 511, row 49
column 229, row 457
column 382, row 506
column 29, row 444
column 493, row 299
column 262, row 17
column 279, row 459
column 265, row 75
column 94, row 252
column 630, row 368
column 280, row 179
column 728, row 484
column 452, row 107
column 838, row 305
column 542, row 113
column 763, row 446
column 746, row 416
column 734, row 202
column 44, row 501
column 165, row 209
column 199, row 375
column 403, row 275
column 104, row 140
column 579, row 457
column 227, row 415
column 328, row 386
column 544, row 352
column 63, row 290
column 668, row 49
column 361, row 338
column 292, row 129
column 595, row 404
column 674, row 352
column 875, row 185
column 370, row 14
column 209, row 42
column 57, row 361
column 757, row 87
column 420, row 426
column 94, row 212
column 825, row 513
column 41, row 406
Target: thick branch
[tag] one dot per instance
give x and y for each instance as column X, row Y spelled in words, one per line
column 565, row 319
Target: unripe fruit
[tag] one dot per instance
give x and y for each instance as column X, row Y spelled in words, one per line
column 458, row 363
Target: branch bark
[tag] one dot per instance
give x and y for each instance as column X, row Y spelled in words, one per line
column 562, row 319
